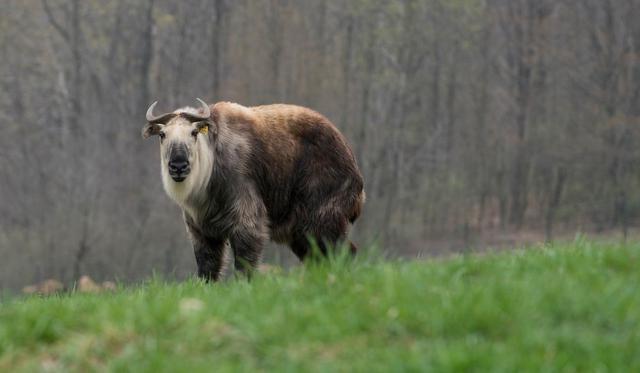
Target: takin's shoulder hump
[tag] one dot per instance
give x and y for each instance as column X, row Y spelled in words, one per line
column 230, row 112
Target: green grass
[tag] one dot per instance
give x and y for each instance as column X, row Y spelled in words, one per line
column 573, row 307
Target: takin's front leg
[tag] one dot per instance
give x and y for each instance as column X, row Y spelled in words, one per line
column 209, row 257
column 249, row 232
column 209, row 252
column 247, row 245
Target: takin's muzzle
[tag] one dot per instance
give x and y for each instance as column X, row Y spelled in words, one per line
column 179, row 166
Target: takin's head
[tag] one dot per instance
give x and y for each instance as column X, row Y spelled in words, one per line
column 185, row 137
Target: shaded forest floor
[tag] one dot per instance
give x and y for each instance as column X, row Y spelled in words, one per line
column 563, row 307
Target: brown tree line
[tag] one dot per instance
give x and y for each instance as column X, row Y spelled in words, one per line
column 469, row 118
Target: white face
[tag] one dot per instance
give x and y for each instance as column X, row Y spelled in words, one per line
column 177, row 142
column 186, row 158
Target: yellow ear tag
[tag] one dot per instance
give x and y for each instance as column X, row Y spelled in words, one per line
column 204, row 130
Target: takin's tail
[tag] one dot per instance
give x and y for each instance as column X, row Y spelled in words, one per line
column 357, row 208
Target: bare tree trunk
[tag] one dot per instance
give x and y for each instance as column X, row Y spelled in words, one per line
column 71, row 35
column 146, row 55
column 219, row 10
column 347, row 64
column 76, row 106
column 451, row 108
column 554, row 202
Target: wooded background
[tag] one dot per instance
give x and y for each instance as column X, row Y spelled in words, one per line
column 470, row 119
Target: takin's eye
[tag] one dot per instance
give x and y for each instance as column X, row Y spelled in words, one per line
column 194, row 133
column 161, row 135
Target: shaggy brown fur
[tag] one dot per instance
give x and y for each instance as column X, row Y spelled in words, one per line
column 279, row 171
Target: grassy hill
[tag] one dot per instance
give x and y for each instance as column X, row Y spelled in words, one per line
column 572, row 307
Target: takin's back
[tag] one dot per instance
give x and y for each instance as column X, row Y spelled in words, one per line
column 299, row 158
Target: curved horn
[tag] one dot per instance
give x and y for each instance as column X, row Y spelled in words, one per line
column 157, row 119
column 206, row 113
column 150, row 116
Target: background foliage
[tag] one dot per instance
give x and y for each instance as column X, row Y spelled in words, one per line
column 470, row 118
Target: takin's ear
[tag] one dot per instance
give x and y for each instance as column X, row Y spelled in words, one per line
column 150, row 129
column 207, row 128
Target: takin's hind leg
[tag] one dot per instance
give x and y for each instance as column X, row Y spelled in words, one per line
column 353, row 249
column 328, row 232
column 300, row 246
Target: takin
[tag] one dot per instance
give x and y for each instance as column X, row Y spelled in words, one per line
column 242, row 175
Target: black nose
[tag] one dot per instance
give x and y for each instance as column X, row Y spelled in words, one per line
column 179, row 166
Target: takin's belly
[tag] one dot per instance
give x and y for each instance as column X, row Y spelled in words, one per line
column 280, row 233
